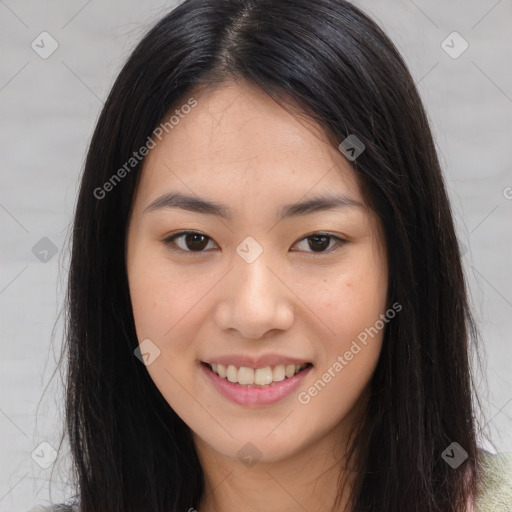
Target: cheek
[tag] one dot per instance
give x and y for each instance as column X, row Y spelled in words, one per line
column 353, row 308
column 148, row 295
column 166, row 308
column 349, row 299
column 360, row 302
column 349, row 356
column 169, row 308
column 161, row 296
column 151, row 296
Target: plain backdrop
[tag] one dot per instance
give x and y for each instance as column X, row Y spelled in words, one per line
column 49, row 107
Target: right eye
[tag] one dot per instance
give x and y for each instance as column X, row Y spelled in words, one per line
column 187, row 242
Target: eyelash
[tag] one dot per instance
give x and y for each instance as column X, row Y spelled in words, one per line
column 170, row 242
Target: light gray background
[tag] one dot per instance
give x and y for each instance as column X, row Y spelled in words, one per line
column 48, row 111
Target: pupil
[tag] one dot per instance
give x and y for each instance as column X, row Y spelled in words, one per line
column 324, row 244
column 195, row 240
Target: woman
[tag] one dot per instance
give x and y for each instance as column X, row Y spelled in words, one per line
column 266, row 303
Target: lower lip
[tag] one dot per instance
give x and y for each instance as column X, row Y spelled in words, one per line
column 244, row 395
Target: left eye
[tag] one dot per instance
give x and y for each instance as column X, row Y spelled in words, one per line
column 320, row 242
column 195, row 242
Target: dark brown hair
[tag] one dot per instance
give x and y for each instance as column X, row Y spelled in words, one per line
column 131, row 452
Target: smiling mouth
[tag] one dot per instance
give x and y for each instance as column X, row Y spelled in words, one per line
column 256, row 377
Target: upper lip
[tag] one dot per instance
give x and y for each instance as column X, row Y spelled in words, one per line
column 255, row 362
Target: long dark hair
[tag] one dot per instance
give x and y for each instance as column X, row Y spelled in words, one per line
column 329, row 62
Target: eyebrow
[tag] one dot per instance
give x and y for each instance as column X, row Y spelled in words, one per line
column 199, row 205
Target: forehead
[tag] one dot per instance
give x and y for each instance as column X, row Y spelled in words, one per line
column 238, row 143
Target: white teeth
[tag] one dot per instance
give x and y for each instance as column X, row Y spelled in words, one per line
column 232, row 373
column 278, row 373
column 245, row 375
column 260, row 376
column 289, row 371
column 263, row 376
column 221, row 370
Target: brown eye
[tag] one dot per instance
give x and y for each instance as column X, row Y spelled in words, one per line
column 321, row 243
column 189, row 241
column 195, row 241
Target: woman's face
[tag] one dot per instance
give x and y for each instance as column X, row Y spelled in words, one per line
column 274, row 278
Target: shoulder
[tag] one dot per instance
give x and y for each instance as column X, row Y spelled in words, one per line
column 496, row 486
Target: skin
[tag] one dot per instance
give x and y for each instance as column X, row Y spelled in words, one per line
column 240, row 148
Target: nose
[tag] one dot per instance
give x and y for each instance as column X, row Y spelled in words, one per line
column 255, row 299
